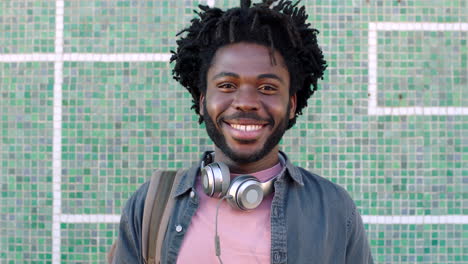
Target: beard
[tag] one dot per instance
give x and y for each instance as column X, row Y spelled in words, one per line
column 220, row 141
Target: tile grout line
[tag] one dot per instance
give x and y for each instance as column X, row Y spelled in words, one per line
column 420, row 26
column 57, row 133
column 367, row 219
column 372, row 72
column 86, row 57
column 415, row 219
column 373, row 108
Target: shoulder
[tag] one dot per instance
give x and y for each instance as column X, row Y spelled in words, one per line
column 129, row 242
column 337, row 206
column 330, row 190
column 133, row 209
column 336, row 196
column 132, row 215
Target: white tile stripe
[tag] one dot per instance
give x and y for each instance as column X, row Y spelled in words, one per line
column 405, row 111
column 117, row 57
column 90, row 218
column 417, row 26
column 57, row 161
column 210, row 3
column 373, row 109
column 368, row 219
column 415, row 219
column 104, row 57
column 57, row 132
column 28, row 57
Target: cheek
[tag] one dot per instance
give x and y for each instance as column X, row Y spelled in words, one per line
column 277, row 107
column 215, row 104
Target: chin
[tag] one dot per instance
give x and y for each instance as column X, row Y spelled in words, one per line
column 244, row 155
column 245, row 151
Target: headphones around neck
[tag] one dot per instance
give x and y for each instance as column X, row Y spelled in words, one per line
column 244, row 192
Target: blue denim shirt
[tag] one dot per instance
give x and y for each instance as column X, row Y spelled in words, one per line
column 312, row 221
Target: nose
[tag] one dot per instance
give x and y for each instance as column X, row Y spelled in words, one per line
column 246, row 99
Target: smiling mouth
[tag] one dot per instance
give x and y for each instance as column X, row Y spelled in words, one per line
column 246, row 128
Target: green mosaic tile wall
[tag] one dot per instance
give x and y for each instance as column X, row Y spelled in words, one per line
column 122, row 119
column 26, row 161
column 27, row 26
column 432, row 76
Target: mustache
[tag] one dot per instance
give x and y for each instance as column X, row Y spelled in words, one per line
column 247, row 115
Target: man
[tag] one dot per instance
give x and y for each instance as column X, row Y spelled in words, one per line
column 250, row 71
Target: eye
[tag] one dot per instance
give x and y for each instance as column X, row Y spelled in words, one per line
column 268, row 89
column 227, row 87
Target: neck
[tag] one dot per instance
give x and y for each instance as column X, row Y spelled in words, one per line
column 270, row 160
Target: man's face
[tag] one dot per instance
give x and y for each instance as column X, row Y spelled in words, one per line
column 247, row 105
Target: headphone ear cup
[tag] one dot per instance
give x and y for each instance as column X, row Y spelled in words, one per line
column 245, row 193
column 215, row 179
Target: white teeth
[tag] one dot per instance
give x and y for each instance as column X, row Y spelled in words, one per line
column 246, row 128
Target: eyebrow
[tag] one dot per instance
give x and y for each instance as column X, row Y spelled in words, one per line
column 270, row 76
column 261, row 76
column 225, row 74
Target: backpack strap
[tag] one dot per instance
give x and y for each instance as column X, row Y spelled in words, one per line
column 156, row 213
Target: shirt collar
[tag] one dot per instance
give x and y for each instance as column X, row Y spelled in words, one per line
column 187, row 182
column 292, row 170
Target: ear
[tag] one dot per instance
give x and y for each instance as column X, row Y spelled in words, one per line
column 292, row 106
column 200, row 105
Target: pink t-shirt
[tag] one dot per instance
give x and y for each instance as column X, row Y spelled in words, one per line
column 245, row 236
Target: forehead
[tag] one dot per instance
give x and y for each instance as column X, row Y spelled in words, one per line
column 247, row 58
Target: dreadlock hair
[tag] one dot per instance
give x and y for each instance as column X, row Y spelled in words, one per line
column 280, row 26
